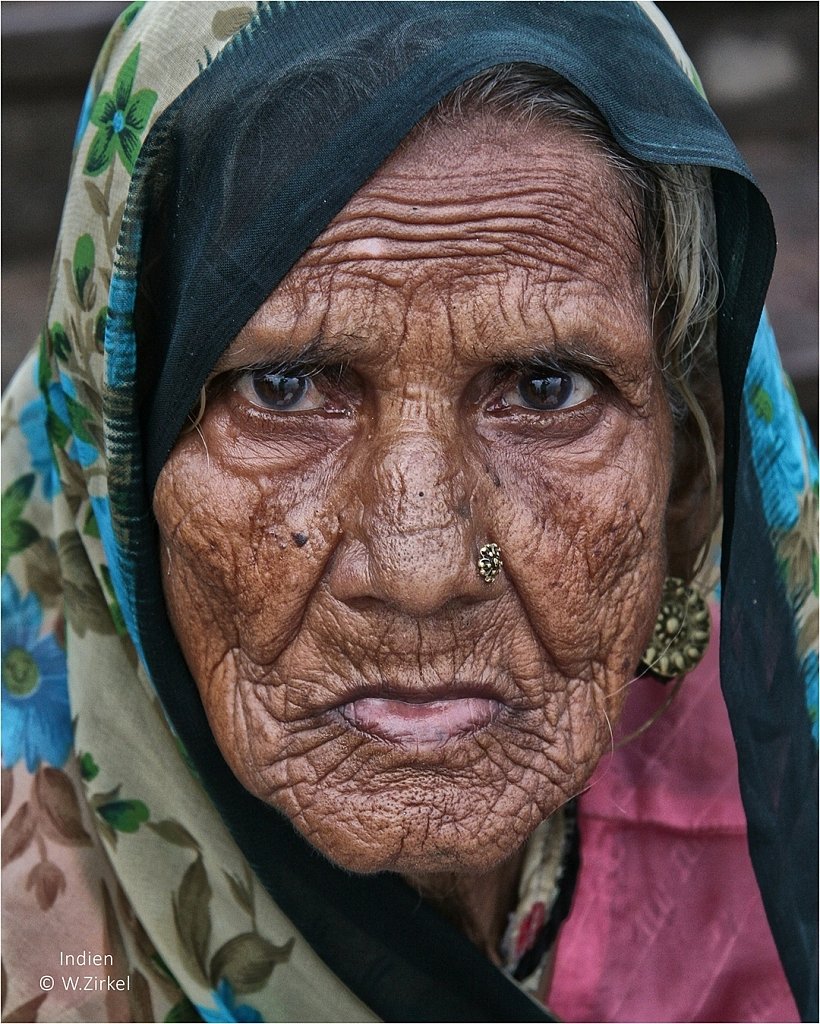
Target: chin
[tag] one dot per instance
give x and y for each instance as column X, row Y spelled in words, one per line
column 423, row 826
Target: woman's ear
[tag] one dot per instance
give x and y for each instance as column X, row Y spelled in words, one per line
column 695, row 502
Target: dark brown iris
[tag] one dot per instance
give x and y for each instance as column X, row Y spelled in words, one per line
column 545, row 389
column 279, row 390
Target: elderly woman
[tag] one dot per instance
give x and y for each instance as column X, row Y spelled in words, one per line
column 358, row 490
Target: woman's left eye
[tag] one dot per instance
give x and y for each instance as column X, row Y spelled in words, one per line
column 280, row 390
column 548, row 389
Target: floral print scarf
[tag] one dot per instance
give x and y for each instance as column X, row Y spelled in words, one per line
column 125, row 897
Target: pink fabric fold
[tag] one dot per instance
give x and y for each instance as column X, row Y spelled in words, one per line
column 667, row 922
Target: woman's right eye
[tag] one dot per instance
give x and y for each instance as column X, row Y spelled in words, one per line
column 288, row 390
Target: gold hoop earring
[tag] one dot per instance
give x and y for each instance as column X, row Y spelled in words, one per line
column 681, row 634
column 489, row 562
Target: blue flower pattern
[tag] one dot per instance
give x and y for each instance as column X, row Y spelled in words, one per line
column 226, row 1009
column 776, row 427
column 33, row 425
column 36, row 711
column 85, row 113
column 78, row 450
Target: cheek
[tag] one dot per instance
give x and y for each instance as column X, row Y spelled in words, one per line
column 586, row 547
column 242, row 548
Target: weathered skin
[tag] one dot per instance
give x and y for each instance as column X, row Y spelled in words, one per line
column 471, row 247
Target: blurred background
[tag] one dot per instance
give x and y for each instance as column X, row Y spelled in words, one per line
column 758, row 62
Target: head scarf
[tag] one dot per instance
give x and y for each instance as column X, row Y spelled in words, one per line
column 259, row 134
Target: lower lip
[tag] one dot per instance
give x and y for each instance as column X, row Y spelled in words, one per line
column 427, row 724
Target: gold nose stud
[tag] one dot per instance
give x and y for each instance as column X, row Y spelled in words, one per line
column 489, row 562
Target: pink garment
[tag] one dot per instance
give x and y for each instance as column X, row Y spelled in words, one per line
column 667, row 922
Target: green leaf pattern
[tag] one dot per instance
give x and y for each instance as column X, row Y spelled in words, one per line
column 17, row 533
column 83, row 268
column 120, row 119
column 124, row 815
column 762, row 404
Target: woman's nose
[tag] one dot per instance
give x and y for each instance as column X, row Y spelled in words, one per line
column 414, row 547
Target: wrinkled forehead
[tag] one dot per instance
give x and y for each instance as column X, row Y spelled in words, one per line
column 475, row 244
column 484, row 188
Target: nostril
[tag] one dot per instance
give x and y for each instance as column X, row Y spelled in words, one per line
column 366, row 605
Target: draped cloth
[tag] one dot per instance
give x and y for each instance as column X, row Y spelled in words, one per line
column 667, row 922
column 125, row 834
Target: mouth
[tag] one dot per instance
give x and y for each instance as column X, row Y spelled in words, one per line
column 420, row 720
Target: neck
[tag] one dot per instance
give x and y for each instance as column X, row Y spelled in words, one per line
column 478, row 905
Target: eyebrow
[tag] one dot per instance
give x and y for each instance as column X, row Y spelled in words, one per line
column 562, row 352
column 264, row 352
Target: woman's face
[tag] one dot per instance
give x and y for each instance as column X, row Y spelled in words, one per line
column 464, row 356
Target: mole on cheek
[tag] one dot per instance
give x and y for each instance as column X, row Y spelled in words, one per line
column 299, row 539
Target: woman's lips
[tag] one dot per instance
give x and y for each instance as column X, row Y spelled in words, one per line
column 419, row 723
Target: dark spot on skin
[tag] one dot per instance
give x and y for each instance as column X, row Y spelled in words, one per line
column 491, row 473
column 421, row 494
column 299, row 539
column 463, row 511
